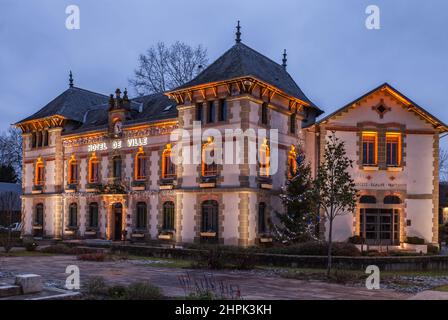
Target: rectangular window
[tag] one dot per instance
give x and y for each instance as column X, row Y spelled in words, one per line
column 222, row 110
column 211, row 112
column 369, row 148
column 393, row 149
column 292, row 124
column 199, row 112
column 264, row 113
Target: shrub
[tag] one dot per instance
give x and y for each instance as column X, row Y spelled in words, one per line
column 317, row 248
column 97, row 256
column 30, row 246
column 343, row 276
column 432, row 249
column 415, row 240
column 245, row 261
column 143, row 291
column 117, row 292
column 215, row 259
column 356, row 240
column 96, row 286
column 61, row 248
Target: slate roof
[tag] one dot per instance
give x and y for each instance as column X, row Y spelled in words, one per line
column 71, row 104
column 241, row 60
column 147, row 108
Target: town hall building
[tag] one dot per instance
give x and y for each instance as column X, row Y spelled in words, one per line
column 97, row 166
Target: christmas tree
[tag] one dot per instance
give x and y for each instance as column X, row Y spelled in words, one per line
column 298, row 223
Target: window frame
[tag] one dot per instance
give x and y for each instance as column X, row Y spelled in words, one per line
column 168, row 166
column 94, row 169
column 92, row 213
column 140, row 165
column 73, row 212
column 141, row 215
column 168, row 216
column 366, row 137
column 389, row 153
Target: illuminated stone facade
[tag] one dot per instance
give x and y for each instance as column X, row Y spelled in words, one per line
column 103, row 171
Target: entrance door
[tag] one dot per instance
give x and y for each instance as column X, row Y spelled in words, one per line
column 380, row 226
column 118, row 221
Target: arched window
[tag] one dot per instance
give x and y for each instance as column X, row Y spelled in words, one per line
column 261, row 217
column 93, row 169
column 39, row 217
column 141, row 215
column 367, row 199
column 208, row 154
column 93, row 215
column 73, row 215
column 39, row 173
column 140, row 165
column 72, row 170
column 292, row 162
column 391, row 199
column 209, row 221
column 116, row 167
column 168, row 216
column 264, row 158
column 168, row 167
column 264, row 113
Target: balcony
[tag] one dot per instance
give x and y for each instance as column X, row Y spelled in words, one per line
column 138, row 185
column 94, row 187
column 167, row 183
column 264, row 182
column 208, row 181
column 71, row 187
column 37, row 189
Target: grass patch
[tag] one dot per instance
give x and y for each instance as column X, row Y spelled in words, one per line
column 24, row 253
column 163, row 262
column 443, row 288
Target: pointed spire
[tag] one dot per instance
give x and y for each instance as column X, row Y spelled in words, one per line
column 238, row 33
column 284, row 59
column 70, row 79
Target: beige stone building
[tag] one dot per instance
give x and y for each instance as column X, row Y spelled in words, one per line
column 102, row 167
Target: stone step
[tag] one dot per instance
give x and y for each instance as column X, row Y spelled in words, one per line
column 7, row 290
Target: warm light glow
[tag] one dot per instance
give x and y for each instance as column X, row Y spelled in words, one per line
column 264, row 159
column 140, row 165
column 292, row 162
column 369, row 142
column 393, row 140
column 72, row 170
column 39, row 172
column 168, row 167
column 93, row 169
column 208, row 169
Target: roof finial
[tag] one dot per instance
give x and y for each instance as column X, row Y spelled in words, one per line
column 238, row 33
column 284, row 59
column 70, row 79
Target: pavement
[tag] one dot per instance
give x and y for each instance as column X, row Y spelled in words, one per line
column 258, row 285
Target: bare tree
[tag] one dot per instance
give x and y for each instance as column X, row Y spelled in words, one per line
column 165, row 67
column 11, row 150
column 443, row 165
column 335, row 188
column 9, row 201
